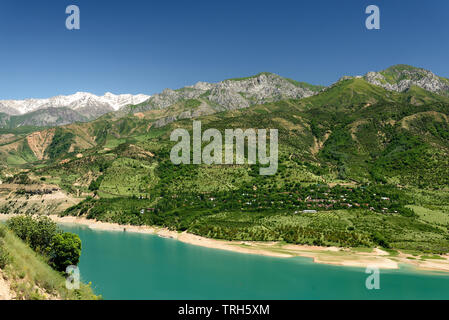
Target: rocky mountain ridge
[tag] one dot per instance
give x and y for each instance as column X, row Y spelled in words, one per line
column 401, row 78
column 203, row 98
column 233, row 93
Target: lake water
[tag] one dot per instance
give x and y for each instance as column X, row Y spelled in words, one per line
column 124, row 265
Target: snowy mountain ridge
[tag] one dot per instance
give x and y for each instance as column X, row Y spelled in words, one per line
column 77, row 101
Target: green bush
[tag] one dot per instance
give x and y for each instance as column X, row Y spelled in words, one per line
column 65, row 250
column 95, row 184
column 44, row 237
column 380, row 240
column 36, row 232
column 60, row 144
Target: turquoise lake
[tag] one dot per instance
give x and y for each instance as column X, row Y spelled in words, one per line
column 124, row 265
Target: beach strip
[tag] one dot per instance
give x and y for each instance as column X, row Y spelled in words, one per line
column 326, row 255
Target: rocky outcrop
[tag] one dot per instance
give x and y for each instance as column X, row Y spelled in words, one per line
column 266, row 87
column 401, row 78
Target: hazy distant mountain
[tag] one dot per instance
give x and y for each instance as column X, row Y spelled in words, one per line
column 88, row 104
column 48, row 117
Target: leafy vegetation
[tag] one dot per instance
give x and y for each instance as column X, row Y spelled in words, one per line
column 61, row 143
column 65, row 250
column 44, row 237
column 30, row 276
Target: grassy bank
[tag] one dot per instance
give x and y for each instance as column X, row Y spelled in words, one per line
column 30, row 277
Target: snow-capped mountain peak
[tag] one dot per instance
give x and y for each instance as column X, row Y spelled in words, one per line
column 77, row 101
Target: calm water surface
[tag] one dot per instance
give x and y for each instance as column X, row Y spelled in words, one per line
column 124, row 265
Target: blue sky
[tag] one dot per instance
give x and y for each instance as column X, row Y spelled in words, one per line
column 144, row 46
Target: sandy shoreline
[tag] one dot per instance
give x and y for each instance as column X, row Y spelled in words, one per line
column 326, row 255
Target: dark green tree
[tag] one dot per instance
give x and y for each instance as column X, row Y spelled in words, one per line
column 65, row 251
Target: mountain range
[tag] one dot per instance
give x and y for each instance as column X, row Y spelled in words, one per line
column 363, row 162
column 226, row 95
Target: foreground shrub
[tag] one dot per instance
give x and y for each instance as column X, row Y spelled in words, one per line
column 43, row 236
column 36, row 232
column 65, row 250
